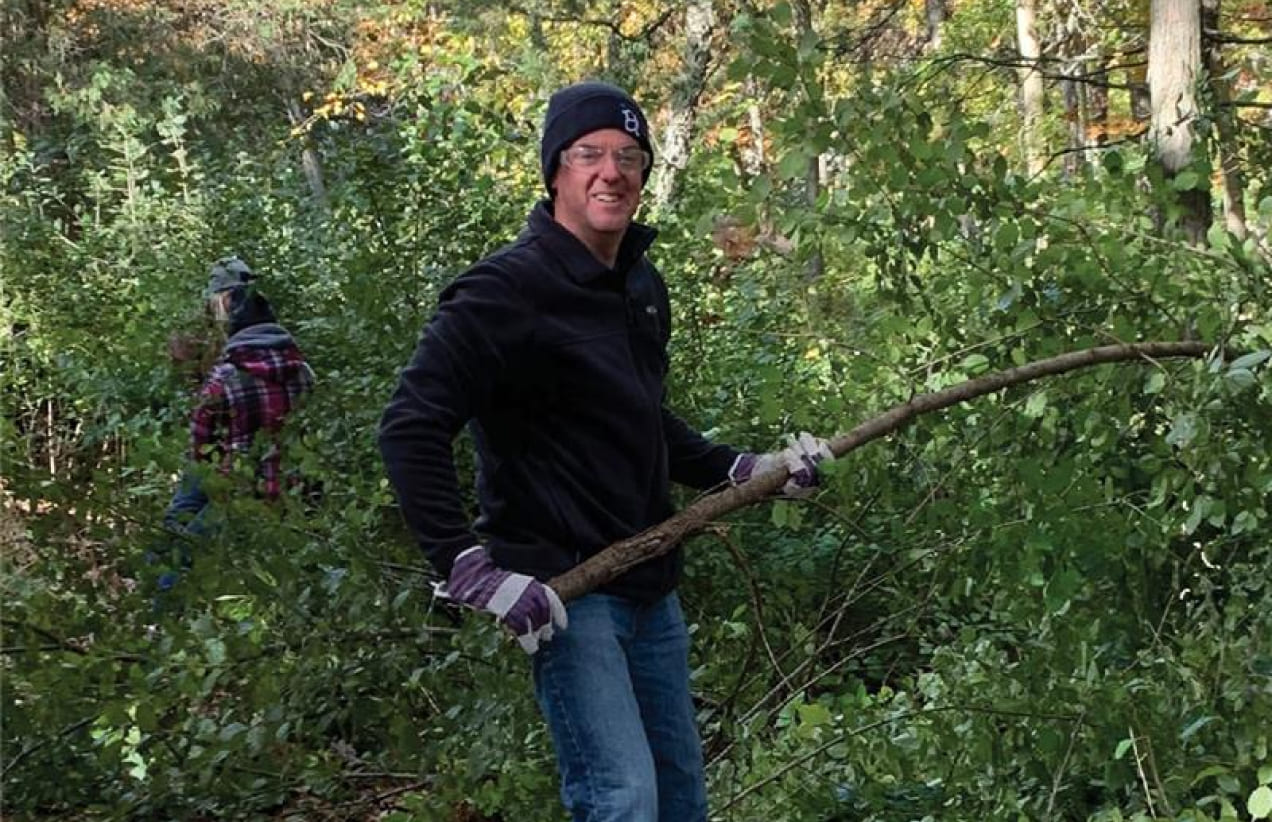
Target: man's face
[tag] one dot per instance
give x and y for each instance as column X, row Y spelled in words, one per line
column 596, row 203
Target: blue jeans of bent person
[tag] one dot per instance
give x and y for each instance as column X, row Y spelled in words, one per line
column 186, row 519
column 614, row 689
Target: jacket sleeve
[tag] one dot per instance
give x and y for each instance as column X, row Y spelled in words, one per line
column 209, row 420
column 481, row 319
column 693, row 459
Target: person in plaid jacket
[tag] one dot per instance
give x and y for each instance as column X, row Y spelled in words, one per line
column 259, row 378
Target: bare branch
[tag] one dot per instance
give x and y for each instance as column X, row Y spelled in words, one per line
column 600, row 22
column 1220, row 37
column 1089, row 78
column 626, row 554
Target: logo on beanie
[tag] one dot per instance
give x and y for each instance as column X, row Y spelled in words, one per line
column 631, row 123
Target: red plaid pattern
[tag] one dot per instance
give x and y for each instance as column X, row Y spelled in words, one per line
column 249, row 390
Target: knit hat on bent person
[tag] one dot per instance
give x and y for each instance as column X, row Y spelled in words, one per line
column 227, row 273
column 581, row 109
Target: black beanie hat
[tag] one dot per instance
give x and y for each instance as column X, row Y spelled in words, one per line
column 583, row 108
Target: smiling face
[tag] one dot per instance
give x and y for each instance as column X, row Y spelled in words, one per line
column 597, row 204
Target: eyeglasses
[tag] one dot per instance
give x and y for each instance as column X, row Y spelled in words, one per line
column 629, row 160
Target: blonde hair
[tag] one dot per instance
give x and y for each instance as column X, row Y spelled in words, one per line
column 219, row 303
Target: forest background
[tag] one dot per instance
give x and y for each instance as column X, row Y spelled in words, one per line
column 1051, row 602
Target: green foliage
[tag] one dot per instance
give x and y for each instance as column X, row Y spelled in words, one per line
column 1050, row 603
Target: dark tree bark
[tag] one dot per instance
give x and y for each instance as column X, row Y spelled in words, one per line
column 1074, row 93
column 1226, row 122
column 619, row 557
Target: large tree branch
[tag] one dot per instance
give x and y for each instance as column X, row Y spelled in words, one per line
column 619, row 557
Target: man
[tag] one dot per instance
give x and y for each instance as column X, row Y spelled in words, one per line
column 554, row 351
column 257, row 381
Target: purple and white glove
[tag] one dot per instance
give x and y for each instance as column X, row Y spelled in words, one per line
column 524, row 605
column 799, row 457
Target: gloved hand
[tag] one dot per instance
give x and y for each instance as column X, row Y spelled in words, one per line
column 524, row 605
column 800, row 458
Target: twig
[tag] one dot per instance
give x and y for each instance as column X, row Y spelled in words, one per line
column 28, row 750
column 757, row 600
column 1064, row 763
column 1139, row 768
column 820, row 749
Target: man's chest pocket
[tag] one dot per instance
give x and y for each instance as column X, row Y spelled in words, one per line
column 649, row 337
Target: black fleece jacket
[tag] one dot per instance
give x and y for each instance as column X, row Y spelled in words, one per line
column 557, row 363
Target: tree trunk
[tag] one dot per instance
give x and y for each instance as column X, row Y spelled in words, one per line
column 699, row 24
column 1031, row 90
column 1098, row 110
column 934, row 12
column 1074, row 92
column 752, row 154
column 803, row 13
column 537, row 39
column 1174, row 60
column 309, row 161
column 621, row 556
column 1225, row 123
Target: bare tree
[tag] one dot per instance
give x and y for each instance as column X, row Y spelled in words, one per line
column 310, row 162
column 934, row 14
column 1031, row 89
column 1074, row 92
column 1225, row 121
column 1174, row 63
column 699, row 24
column 803, row 13
column 752, row 154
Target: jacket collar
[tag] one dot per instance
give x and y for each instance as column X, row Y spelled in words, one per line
column 581, row 265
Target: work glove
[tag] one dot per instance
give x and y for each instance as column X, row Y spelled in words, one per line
column 524, row 605
column 799, row 457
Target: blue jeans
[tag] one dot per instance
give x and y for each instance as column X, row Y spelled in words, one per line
column 185, row 519
column 187, row 511
column 614, row 689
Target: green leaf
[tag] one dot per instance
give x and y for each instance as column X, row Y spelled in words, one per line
column 1156, row 382
column 1182, row 430
column 216, row 650
column 1260, row 802
column 814, row 714
column 976, row 364
column 1251, row 360
column 1265, row 774
column 1239, row 379
column 1185, row 180
column 794, row 165
column 740, row 68
column 1036, row 405
column 1212, row 770
column 1195, row 726
column 1122, row 748
column 1244, row 522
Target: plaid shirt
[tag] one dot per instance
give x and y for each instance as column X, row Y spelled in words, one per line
column 253, row 386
